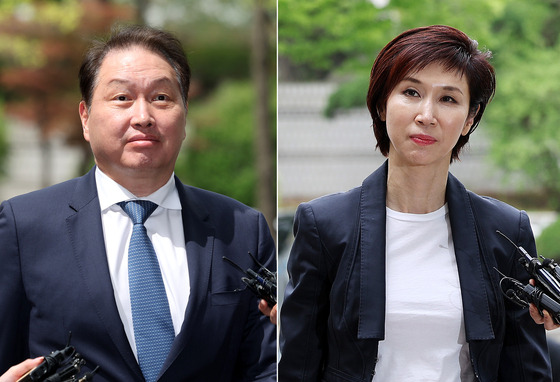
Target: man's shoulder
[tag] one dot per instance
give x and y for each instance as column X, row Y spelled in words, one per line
column 48, row 195
column 210, row 200
column 49, row 205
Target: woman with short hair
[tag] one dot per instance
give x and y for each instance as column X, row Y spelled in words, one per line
column 397, row 280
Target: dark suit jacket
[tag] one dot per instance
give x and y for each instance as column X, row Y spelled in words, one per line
column 54, row 278
column 333, row 315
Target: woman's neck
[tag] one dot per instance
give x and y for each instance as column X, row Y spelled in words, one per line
column 416, row 189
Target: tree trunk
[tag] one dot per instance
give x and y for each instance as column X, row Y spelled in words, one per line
column 266, row 192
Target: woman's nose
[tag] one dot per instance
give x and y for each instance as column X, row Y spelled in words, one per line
column 426, row 114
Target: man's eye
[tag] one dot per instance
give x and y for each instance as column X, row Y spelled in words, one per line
column 121, row 98
column 161, row 97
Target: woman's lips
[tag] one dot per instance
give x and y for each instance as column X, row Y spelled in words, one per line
column 423, row 140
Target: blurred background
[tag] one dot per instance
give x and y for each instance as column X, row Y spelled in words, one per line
column 325, row 139
column 231, row 125
column 326, row 49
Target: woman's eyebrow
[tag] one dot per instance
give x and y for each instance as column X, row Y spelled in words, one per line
column 445, row 87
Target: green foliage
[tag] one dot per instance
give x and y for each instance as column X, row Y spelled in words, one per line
column 217, row 55
column 324, row 35
column 344, row 36
column 524, row 121
column 64, row 14
column 4, row 144
column 524, row 117
column 219, row 155
column 474, row 17
column 349, row 94
column 21, row 51
column 548, row 243
column 25, row 50
column 328, row 38
column 336, row 39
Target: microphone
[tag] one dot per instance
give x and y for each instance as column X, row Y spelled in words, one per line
column 262, row 283
column 545, row 294
column 59, row 366
column 49, row 365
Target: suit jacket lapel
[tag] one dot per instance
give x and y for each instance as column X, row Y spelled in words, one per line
column 86, row 234
column 467, row 252
column 371, row 323
column 199, row 243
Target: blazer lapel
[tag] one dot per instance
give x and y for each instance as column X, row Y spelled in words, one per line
column 86, row 234
column 371, row 323
column 467, row 252
column 199, row 243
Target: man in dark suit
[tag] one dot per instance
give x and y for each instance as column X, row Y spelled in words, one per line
column 70, row 253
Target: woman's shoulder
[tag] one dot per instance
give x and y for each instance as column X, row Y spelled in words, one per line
column 334, row 217
column 493, row 215
column 334, row 205
column 487, row 205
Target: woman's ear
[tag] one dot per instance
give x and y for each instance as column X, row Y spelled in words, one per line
column 381, row 114
column 470, row 121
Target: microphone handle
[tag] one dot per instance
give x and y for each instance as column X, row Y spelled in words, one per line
column 544, row 301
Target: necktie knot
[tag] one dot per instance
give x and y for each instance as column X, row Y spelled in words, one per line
column 138, row 210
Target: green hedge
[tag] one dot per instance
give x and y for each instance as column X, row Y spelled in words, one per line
column 4, row 144
column 548, row 243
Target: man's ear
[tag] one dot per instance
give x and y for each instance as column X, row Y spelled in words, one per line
column 84, row 117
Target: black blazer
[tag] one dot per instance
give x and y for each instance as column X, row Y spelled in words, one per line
column 333, row 315
column 54, row 278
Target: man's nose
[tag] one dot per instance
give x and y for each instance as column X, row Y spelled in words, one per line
column 142, row 114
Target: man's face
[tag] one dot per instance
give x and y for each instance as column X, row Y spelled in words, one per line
column 136, row 121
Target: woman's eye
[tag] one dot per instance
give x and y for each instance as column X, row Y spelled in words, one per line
column 448, row 99
column 411, row 92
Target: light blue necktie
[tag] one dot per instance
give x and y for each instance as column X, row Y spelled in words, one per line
column 151, row 318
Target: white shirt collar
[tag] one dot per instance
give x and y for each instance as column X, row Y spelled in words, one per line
column 111, row 193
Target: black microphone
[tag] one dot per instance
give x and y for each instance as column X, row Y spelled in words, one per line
column 68, row 373
column 49, row 365
column 262, row 283
column 542, row 301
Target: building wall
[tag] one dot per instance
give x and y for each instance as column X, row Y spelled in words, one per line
column 25, row 167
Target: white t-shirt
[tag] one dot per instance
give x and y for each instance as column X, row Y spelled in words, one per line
column 424, row 327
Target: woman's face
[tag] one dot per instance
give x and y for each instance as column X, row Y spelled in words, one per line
column 425, row 115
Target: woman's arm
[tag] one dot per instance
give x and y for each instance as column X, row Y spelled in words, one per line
column 304, row 312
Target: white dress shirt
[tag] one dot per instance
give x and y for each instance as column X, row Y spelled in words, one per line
column 165, row 229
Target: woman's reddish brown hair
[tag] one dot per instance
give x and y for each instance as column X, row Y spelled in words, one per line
column 415, row 49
